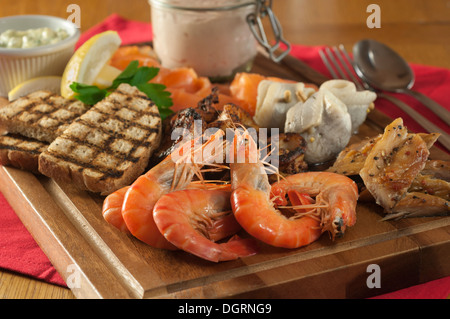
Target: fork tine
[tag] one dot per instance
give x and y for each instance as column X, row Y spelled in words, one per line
column 336, row 64
column 344, row 67
column 332, row 65
column 347, row 62
column 327, row 64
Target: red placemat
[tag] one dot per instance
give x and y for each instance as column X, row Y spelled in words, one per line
column 130, row 31
column 20, row 253
column 18, row 250
column 435, row 289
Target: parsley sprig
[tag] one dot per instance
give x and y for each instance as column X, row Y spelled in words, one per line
column 135, row 76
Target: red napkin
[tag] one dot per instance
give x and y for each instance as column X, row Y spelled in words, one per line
column 436, row 289
column 18, row 250
column 130, row 31
column 21, row 254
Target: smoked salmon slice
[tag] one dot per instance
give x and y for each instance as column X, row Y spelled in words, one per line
column 124, row 55
column 188, row 88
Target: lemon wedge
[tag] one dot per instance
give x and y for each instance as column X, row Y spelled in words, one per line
column 88, row 60
column 106, row 76
column 49, row 83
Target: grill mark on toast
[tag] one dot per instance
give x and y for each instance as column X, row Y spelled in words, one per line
column 47, row 100
column 33, row 103
column 116, row 134
column 21, row 152
column 20, row 149
column 24, row 141
column 104, row 137
column 41, row 115
column 107, row 172
column 106, row 149
column 137, row 94
column 125, row 121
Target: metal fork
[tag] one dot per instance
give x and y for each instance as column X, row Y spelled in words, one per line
column 340, row 65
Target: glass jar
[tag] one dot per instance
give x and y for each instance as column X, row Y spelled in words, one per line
column 210, row 36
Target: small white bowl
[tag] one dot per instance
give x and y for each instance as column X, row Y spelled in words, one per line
column 19, row 65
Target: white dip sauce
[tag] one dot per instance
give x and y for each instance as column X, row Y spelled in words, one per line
column 214, row 43
column 15, row 39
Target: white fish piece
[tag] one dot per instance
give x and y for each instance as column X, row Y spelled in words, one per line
column 303, row 116
column 359, row 103
column 325, row 124
column 275, row 99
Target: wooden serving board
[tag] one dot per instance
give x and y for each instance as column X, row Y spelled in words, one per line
column 98, row 261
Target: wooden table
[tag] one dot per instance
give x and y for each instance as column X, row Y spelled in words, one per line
column 415, row 28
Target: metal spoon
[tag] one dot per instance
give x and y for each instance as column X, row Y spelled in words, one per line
column 383, row 69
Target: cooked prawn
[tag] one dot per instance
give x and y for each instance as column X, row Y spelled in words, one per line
column 257, row 213
column 253, row 208
column 169, row 175
column 112, row 205
column 335, row 197
column 194, row 219
column 112, row 209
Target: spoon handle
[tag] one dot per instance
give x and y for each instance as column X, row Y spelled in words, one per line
column 437, row 109
column 444, row 139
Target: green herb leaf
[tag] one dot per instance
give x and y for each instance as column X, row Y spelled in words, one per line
column 127, row 75
column 88, row 94
column 135, row 76
column 156, row 93
column 164, row 112
column 144, row 75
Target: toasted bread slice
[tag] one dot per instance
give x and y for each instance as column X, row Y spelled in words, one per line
column 109, row 146
column 21, row 152
column 41, row 115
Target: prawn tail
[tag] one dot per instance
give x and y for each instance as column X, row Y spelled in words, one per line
column 112, row 209
column 238, row 247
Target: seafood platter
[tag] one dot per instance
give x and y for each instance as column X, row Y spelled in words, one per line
column 160, row 183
